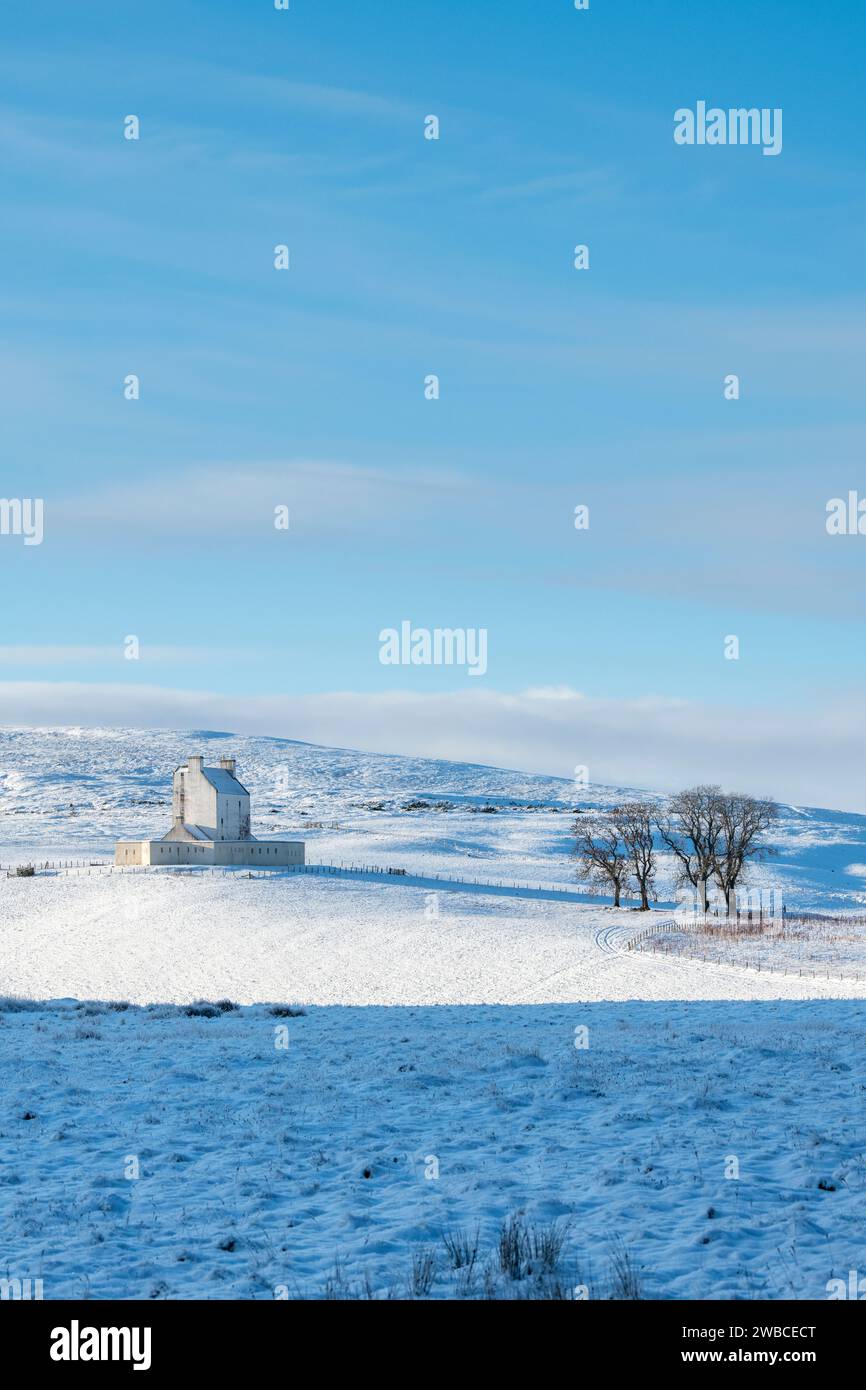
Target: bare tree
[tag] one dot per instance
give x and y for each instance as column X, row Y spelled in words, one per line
column 744, row 820
column 601, row 857
column 691, row 828
column 633, row 822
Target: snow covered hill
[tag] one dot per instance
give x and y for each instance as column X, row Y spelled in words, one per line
column 71, row 792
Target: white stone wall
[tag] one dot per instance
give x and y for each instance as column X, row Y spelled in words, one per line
column 196, row 801
column 194, row 797
column 132, row 852
column 233, row 817
column 264, row 854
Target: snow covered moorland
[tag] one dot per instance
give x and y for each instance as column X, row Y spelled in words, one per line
column 690, row 1149
column 73, row 792
column 400, row 1086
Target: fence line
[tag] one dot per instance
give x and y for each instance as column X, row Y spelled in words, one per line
column 78, row 866
column 699, row 925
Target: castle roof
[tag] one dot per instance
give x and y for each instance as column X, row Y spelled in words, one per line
column 224, row 781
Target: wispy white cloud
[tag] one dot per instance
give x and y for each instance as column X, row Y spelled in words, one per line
column 816, row 759
column 83, row 654
column 222, row 499
column 673, row 536
column 597, row 185
column 316, row 97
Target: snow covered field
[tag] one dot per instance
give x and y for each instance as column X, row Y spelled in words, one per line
column 341, row 1160
column 163, row 937
column 425, row 1083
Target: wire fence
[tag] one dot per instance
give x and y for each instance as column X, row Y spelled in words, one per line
column 731, row 931
column 337, row 870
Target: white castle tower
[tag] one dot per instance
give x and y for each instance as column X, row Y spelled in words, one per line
column 210, row 825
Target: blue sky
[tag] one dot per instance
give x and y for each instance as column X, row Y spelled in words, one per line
column 558, row 387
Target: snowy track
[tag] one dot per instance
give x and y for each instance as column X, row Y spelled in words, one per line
column 613, row 940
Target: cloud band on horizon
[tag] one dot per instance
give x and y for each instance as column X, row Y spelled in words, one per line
column 654, row 742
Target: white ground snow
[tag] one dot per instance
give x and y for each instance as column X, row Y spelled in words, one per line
column 261, row 1169
column 164, row 937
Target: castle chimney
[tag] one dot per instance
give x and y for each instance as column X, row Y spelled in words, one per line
column 228, row 765
column 194, row 764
